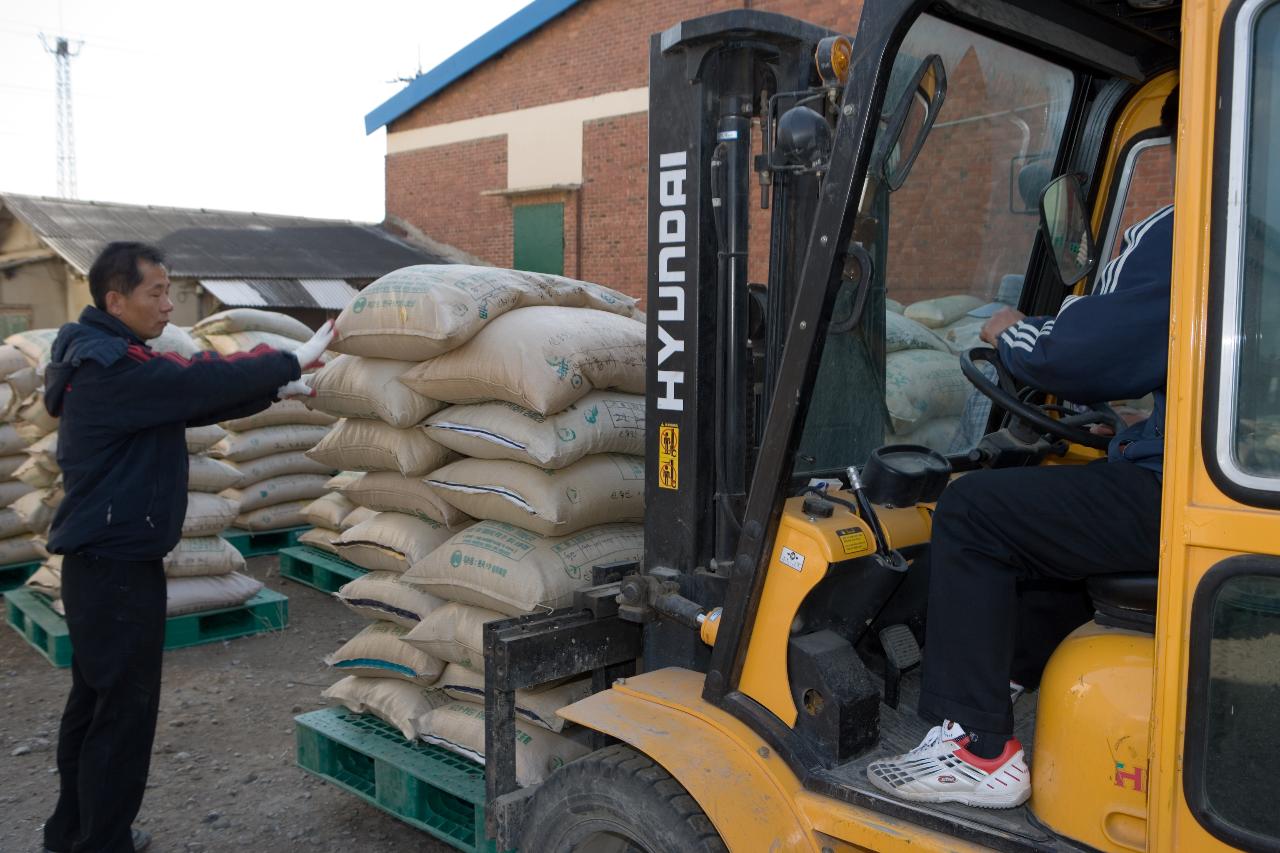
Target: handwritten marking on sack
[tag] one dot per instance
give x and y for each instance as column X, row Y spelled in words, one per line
column 668, row 456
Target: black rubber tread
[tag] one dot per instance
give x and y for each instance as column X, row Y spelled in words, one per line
column 659, row 807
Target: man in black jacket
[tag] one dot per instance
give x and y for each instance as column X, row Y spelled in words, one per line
column 124, row 409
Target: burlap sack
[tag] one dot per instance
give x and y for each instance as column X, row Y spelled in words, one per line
column 24, row 383
column 176, row 340
column 598, row 489
column 278, row 490
column 419, row 312
column 34, row 420
column 33, row 511
column 516, row 571
column 454, row 632
column 200, row 439
column 355, row 387
column 10, row 442
column 280, row 413
column 48, row 578
column 234, row 342
column 381, row 595
column 45, row 452
column 921, row 385
column 328, row 510
column 205, row 474
column 201, row 556
column 943, row 310
column 12, row 360
column 342, row 479
column 904, row 333
column 362, row 444
column 256, row 443
column 390, row 542
column 459, row 728
column 322, row 538
column 280, row 465
column 936, row 434
column 12, row 490
column 207, row 514
column 12, row 522
column 252, row 320
column 398, row 703
column 34, row 474
column 379, row 652
column 10, row 464
column 388, row 491
column 275, row 517
column 359, row 515
column 8, row 402
column 193, row 595
column 540, row 358
column 601, row 422
column 24, row 548
column 33, row 344
column 536, row 707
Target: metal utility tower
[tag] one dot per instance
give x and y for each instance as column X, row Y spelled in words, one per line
column 63, row 51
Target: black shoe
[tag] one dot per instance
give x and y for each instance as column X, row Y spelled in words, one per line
column 141, row 841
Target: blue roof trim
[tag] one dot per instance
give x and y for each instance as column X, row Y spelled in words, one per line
column 465, row 61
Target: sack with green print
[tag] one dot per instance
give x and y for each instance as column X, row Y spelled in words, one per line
column 601, row 488
column 601, row 422
column 459, row 728
column 379, row 651
column 922, row 385
column 515, row 571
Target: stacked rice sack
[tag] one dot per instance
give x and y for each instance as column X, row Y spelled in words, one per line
column 28, row 449
column 501, row 443
column 925, row 391
column 277, row 479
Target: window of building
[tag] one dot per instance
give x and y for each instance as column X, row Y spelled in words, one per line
column 538, row 236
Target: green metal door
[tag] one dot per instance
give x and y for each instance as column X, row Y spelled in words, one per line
column 539, row 238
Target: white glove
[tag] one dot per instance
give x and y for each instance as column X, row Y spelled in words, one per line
column 310, row 352
column 296, row 388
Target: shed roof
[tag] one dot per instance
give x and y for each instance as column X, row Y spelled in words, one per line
column 498, row 39
column 219, row 244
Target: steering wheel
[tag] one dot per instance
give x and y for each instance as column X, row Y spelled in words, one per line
column 1071, row 425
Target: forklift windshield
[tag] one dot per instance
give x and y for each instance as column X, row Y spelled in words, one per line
column 949, row 246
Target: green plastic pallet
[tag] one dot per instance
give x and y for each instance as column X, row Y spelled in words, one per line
column 255, row 543
column 423, row 785
column 15, row 575
column 31, row 614
column 317, row 568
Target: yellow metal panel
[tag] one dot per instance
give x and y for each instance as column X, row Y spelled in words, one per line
column 750, row 795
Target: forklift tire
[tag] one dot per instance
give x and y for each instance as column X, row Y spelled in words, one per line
column 613, row 800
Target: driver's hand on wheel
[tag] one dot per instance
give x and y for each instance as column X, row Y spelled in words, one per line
column 1001, row 320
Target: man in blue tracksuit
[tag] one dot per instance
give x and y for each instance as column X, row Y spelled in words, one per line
column 124, row 409
column 993, row 529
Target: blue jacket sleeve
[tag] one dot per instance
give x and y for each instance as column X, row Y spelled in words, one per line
column 151, row 388
column 1112, row 345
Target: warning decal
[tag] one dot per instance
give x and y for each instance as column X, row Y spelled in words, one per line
column 852, row 539
column 668, row 456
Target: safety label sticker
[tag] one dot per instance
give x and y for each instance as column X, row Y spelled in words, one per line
column 792, row 559
column 852, row 539
column 668, row 456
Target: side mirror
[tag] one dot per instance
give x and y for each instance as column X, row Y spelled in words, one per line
column 1066, row 228
column 912, row 119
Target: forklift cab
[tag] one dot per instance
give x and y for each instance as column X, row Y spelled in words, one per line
column 801, row 427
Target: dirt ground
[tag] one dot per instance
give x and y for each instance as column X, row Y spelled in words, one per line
column 223, row 775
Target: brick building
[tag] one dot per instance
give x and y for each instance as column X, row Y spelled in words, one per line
column 528, row 149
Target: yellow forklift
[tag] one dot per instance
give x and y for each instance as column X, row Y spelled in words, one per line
column 964, row 153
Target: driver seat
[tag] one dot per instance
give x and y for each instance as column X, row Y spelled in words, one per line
column 1124, row 601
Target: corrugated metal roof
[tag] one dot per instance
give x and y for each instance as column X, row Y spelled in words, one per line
column 331, row 294
column 465, row 61
column 219, row 244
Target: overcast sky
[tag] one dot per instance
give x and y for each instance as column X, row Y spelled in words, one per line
column 233, row 105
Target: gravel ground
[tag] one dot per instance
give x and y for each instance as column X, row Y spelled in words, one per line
column 222, row 773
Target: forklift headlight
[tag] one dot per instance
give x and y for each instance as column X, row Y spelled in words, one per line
column 832, row 58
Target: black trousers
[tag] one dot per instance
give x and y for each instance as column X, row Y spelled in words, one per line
column 996, row 530
column 116, row 614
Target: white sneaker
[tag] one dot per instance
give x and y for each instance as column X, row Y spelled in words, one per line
column 942, row 770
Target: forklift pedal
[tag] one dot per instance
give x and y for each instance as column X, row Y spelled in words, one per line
column 901, row 652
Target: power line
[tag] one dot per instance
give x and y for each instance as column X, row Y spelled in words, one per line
column 63, row 52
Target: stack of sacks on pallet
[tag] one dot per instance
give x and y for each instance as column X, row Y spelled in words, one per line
column 327, row 513
column 925, row 391
column 541, row 444
column 36, row 489
column 18, row 381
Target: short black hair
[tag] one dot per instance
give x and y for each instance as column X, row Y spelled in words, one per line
column 117, row 269
column 1169, row 114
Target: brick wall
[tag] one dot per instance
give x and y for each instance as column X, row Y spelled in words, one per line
column 1150, row 188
